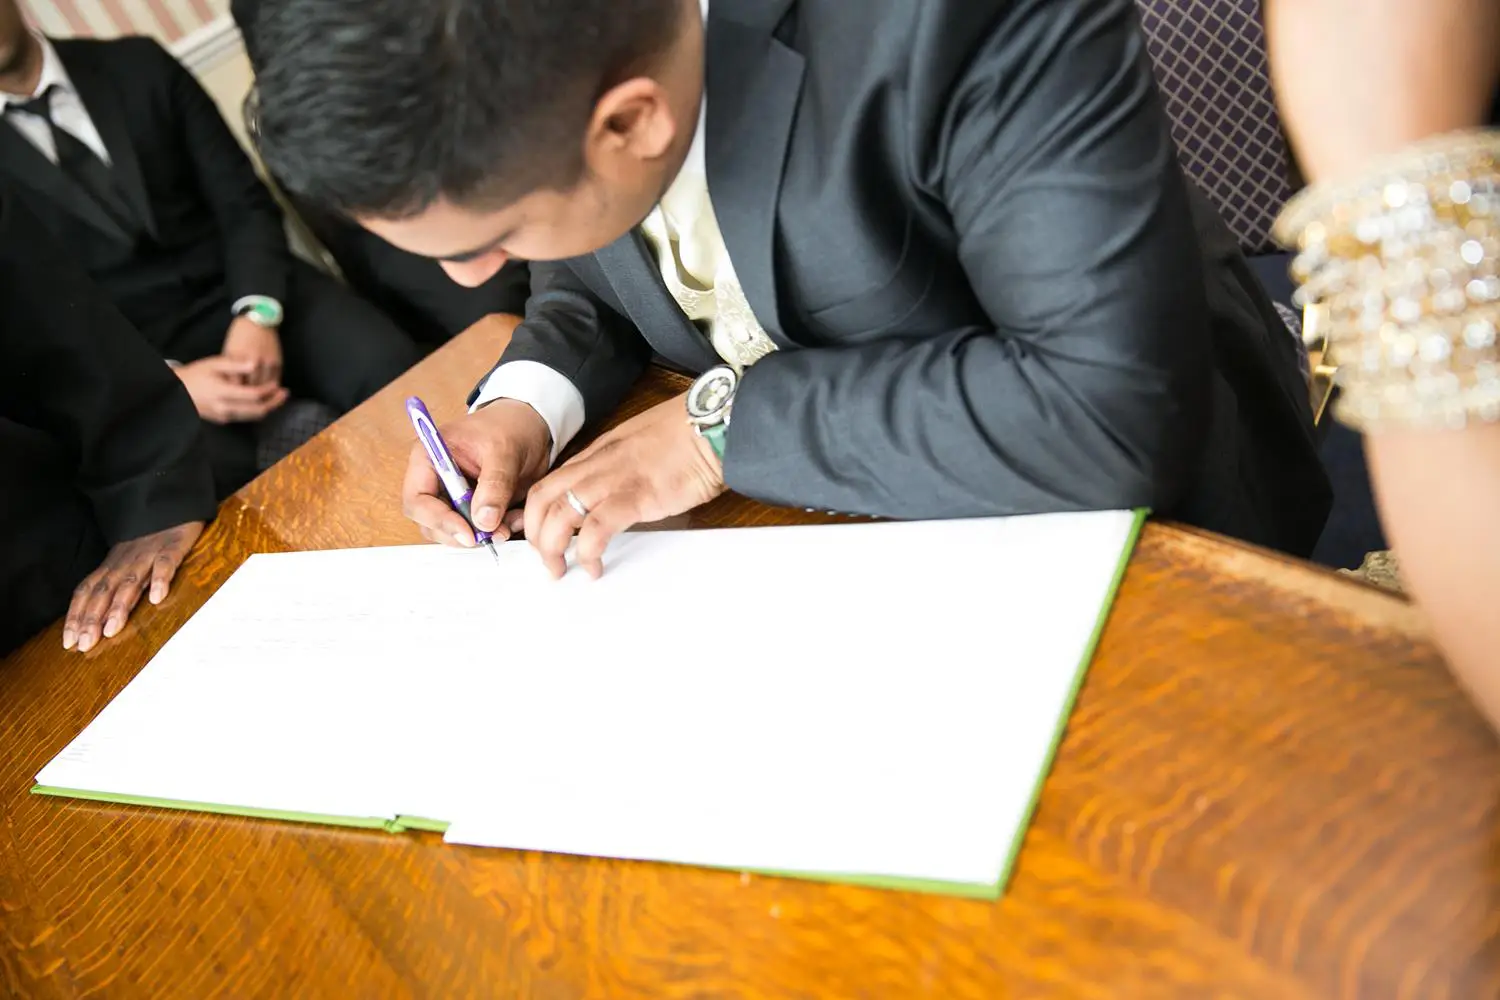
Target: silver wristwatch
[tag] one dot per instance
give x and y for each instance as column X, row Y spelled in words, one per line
column 709, row 403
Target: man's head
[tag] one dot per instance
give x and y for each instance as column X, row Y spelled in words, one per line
column 16, row 44
column 471, row 131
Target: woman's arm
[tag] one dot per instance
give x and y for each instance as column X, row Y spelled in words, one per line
column 1357, row 80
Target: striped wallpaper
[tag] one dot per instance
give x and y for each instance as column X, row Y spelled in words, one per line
column 166, row 20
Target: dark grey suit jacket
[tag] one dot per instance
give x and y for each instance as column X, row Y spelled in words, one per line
column 963, row 223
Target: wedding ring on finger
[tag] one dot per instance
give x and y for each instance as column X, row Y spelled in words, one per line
column 579, row 507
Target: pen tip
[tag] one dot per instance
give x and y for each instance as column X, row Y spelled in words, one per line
column 494, row 552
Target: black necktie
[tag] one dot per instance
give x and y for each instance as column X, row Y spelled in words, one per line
column 81, row 164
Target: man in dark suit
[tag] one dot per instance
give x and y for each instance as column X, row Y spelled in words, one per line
column 105, row 487
column 130, row 165
column 934, row 257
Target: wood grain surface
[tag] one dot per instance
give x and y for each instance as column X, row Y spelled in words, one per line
column 1269, row 788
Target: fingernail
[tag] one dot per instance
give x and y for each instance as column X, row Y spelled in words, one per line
column 158, row 592
column 517, row 523
column 86, row 643
column 467, row 541
column 112, row 628
column 488, row 518
column 69, row 637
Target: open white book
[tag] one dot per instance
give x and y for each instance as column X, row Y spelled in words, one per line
column 875, row 702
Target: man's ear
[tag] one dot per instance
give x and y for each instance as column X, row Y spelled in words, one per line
column 633, row 120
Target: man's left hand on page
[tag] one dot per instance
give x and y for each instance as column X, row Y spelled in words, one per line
column 650, row 467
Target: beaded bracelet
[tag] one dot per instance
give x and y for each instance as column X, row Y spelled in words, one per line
column 1405, row 265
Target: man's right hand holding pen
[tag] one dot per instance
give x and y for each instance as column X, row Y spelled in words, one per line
column 504, row 447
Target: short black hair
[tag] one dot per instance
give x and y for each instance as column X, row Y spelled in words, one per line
column 379, row 107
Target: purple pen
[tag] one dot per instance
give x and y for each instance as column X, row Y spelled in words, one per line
column 460, row 493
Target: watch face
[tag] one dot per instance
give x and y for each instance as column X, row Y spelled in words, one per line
column 711, row 393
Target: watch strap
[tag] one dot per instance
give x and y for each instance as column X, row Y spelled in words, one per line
column 714, row 435
column 262, row 309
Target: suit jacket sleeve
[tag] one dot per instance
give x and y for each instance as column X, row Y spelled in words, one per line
column 571, row 331
column 1089, row 386
column 257, row 259
column 73, row 367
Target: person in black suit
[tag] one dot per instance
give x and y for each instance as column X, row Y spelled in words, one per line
column 105, row 486
column 412, row 290
column 935, row 258
column 131, row 166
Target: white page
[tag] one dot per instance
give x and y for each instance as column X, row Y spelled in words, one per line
column 291, row 689
column 873, row 698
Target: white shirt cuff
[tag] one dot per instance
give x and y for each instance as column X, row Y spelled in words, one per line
column 556, row 400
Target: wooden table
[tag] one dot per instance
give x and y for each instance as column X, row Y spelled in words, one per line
column 1270, row 788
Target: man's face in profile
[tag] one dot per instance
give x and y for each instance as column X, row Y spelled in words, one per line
column 473, row 244
column 635, row 145
column 471, row 132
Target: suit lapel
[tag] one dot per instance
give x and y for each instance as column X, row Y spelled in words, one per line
column 24, row 163
column 754, row 82
column 631, row 271
column 99, row 96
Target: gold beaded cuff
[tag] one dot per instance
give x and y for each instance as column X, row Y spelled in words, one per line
column 1405, row 264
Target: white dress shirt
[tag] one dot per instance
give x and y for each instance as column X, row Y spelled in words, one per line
column 68, row 111
column 697, row 271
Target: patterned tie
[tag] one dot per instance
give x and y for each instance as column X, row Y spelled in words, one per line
column 82, row 165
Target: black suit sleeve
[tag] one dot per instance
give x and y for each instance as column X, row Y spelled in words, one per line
column 570, row 331
column 255, row 248
column 73, row 367
column 1089, row 387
